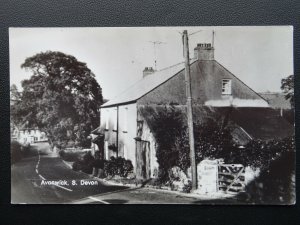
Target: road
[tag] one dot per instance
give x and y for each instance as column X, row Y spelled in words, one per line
column 33, row 182
column 29, row 179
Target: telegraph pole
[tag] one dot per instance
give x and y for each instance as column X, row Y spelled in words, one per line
column 189, row 109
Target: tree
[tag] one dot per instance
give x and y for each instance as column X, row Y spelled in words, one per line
column 61, row 98
column 287, row 85
column 15, row 95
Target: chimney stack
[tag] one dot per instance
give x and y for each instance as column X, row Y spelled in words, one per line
column 147, row 71
column 204, row 51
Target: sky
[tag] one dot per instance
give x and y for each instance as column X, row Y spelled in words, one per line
column 259, row 56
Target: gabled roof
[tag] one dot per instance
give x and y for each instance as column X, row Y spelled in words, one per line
column 145, row 85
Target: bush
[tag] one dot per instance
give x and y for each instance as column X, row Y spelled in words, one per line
column 61, row 153
column 187, row 187
column 98, row 163
column 77, row 166
column 85, row 164
column 275, row 185
column 118, row 166
column 69, row 156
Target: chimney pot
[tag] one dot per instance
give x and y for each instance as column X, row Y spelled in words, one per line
column 147, row 71
column 204, row 51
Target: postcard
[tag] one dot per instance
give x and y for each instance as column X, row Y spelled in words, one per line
column 152, row 115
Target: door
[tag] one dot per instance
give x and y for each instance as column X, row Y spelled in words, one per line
column 143, row 159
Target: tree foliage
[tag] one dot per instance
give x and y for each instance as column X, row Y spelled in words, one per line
column 61, row 98
column 287, row 85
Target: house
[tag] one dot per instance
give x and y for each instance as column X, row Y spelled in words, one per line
column 27, row 135
column 124, row 131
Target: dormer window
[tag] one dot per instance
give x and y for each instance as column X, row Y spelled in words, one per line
column 226, row 87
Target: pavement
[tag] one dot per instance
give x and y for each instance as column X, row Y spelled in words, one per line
column 43, row 178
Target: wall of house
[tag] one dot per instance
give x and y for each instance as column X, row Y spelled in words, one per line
column 126, row 116
column 127, row 132
column 209, row 87
column 108, row 123
column 206, row 85
column 146, row 135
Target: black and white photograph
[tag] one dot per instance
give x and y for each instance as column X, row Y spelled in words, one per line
column 152, row 115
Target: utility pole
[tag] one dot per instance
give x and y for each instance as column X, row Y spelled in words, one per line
column 189, row 109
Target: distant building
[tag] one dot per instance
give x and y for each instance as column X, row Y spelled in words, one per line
column 28, row 135
column 23, row 134
column 282, row 105
column 215, row 90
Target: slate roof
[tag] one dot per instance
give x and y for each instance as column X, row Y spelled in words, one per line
column 276, row 100
column 146, row 84
column 261, row 123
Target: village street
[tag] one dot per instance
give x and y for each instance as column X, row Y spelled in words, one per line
column 28, row 176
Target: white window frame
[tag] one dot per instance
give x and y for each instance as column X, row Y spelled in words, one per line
column 226, row 87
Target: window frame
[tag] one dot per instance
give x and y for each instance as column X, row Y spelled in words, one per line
column 226, row 88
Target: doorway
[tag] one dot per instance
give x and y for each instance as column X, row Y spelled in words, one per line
column 143, row 169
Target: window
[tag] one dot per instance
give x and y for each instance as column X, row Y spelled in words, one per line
column 226, row 87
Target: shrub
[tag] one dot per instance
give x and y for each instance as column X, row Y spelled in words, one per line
column 98, row 163
column 275, row 185
column 77, row 166
column 61, row 153
column 187, row 187
column 85, row 164
column 118, row 166
column 69, row 156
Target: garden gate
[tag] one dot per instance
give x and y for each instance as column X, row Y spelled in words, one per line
column 231, row 178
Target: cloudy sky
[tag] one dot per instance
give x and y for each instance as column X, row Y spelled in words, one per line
column 259, row 56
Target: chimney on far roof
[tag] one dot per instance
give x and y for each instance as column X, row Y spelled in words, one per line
column 204, row 51
column 147, row 71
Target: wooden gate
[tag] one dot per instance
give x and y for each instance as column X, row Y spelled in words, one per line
column 231, row 178
column 142, row 159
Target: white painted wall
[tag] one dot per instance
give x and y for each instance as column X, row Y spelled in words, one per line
column 126, row 132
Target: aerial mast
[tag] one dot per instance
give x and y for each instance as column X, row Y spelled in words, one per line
column 155, row 43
